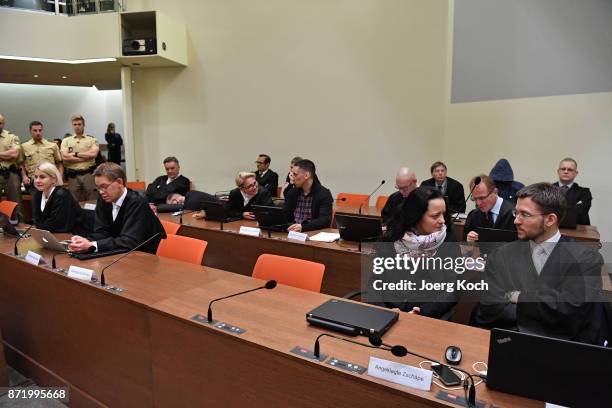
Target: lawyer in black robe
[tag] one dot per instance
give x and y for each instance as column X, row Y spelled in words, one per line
column 236, row 204
column 159, row 189
column 61, row 214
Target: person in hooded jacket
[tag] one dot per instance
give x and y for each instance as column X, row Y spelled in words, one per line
column 503, row 176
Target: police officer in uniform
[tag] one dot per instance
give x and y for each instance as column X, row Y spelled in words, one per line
column 10, row 183
column 36, row 151
column 79, row 153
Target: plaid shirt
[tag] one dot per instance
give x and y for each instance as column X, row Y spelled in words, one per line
column 303, row 209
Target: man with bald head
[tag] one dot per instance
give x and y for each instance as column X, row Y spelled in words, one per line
column 405, row 183
column 10, row 150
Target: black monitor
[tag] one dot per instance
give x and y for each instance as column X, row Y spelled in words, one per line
column 217, row 211
column 557, row 371
column 358, row 228
column 271, row 218
column 8, row 228
column 496, row 235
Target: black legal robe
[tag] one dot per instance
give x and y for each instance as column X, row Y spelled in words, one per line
column 455, row 196
column 135, row 223
column 477, row 219
column 61, row 214
column 268, row 181
column 236, row 205
column 159, row 190
column 580, row 197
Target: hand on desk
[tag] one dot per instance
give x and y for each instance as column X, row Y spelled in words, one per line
column 79, row 244
column 199, row 215
column 415, row 310
column 295, row 227
column 247, row 215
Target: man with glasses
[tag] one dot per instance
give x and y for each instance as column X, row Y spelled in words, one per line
column 123, row 218
column 266, row 178
column 172, row 183
column 491, row 210
column 544, row 283
column 405, row 183
column 246, row 195
column 576, row 196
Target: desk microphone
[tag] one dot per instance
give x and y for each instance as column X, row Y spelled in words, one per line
column 21, row 236
column 53, row 264
column 401, row 351
column 271, row 284
column 185, row 212
column 368, row 199
column 477, row 181
column 102, row 280
column 340, row 199
column 317, row 348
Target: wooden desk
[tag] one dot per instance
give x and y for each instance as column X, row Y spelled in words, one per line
column 140, row 348
column 3, row 368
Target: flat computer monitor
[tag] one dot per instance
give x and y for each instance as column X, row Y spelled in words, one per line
column 270, row 218
column 358, row 228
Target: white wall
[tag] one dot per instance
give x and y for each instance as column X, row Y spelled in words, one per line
column 54, row 106
column 357, row 86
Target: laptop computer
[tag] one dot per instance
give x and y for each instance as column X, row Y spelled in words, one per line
column 496, row 235
column 358, row 227
column 216, row 211
column 352, row 318
column 48, row 240
column 571, row 218
column 271, row 218
column 547, row 369
column 8, row 228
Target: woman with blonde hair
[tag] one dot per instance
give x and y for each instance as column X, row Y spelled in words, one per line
column 53, row 207
column 246, row 194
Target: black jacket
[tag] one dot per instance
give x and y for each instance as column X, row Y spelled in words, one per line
column 135, row 223
column 235, row 202
column 158, row 190
column 582, row 195
column 393, row 204
column 322, row 203
column 62, row 213
column 269, row 181
column 477, row 219
column 561, row 302
column 114, row 142
column 455, row 197
column 437, row 304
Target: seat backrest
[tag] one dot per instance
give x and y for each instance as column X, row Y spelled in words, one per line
column 290, row 271
column 171, row 228
column 136, row 185
column 352, row 199
column 278, row 191
column 182, row 249
column 8, row 208
column 381, row 201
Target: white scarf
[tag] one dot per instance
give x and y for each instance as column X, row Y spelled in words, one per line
column 420, row 245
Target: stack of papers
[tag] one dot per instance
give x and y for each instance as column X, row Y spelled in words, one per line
column 325, row 237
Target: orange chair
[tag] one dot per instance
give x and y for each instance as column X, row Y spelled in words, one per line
column 279, row 189
column 171, row 228
column 352, row 199
column 381, row 201
column 136, row 185
column 8, row 208
column 182, row 249
column 290, row 271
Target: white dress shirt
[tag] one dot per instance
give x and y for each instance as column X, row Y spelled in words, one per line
column 43, row 199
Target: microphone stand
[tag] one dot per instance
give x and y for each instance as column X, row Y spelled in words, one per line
column 371, row 194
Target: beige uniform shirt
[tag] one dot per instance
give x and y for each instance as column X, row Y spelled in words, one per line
column 7, row 142
column 73, row 144
column 37, row 153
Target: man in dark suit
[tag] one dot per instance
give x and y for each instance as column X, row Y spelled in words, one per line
column 123, row 218
column 576, row 196
column 265, row 177
column 405, row 183
column 450, row 188
column 543, row 284
column 172, row 182
column 246, row 195
column 308, row 206
column 491, row 210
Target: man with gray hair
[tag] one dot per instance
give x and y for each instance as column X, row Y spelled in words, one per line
column 576, row 196
column 405, row 183
column 544, row 283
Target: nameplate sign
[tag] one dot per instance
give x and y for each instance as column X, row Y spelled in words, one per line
column 33, row 258
column 399, row 373
column 89, row 206
column 297, row 236
column 76, row 272
column 252, row 231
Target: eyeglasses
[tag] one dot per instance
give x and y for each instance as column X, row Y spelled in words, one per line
column 476, row 199
column 259, row 162
column 250, row 186
column 522, row 215
column 568, row 169
column 105, row 187
column 404, row 187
